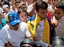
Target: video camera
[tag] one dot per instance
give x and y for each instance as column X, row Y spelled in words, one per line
column 58, row 42
column 28, row 43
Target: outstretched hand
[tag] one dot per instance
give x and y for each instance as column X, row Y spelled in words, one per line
column 54, row 22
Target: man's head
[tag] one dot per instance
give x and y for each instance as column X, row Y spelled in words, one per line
column 59, row 10
column 41, row 8
column 13, row 20
column 6, row 8
column 23, row 15
column 23, row 6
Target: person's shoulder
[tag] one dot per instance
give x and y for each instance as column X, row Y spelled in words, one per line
column 22, row 23
column 32, row 18
column 5, row 27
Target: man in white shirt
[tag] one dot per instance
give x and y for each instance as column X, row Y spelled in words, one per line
column 14, row 32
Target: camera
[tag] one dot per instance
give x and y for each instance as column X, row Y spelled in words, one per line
column 28, row 43
column 58, row 42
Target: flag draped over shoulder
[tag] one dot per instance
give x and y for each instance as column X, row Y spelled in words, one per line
column 32, row 26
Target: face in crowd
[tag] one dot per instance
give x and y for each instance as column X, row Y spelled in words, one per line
column 58, row 13
column 59, row 10
column 23, row 16
column 41, row 9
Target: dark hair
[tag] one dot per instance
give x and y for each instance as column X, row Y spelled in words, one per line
column 17, row 2
column 0, row 4
column 60, row 5
column 40, row 4
column 6, row 3
column 21, row 10
column 28, row 41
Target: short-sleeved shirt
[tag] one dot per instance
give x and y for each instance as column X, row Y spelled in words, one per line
column 14, row 37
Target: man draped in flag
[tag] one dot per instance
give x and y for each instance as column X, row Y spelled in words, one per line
column 40, row 26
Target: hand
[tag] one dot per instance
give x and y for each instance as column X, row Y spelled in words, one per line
column 9, row 45
column 37, row 38
column 54, row 22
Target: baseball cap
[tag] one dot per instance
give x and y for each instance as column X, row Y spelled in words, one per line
column 13, row 18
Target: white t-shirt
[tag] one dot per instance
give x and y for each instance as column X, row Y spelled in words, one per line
column 1, row 43
column 14, row 37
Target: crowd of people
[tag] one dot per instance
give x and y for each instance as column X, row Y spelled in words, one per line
column 30, row 23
